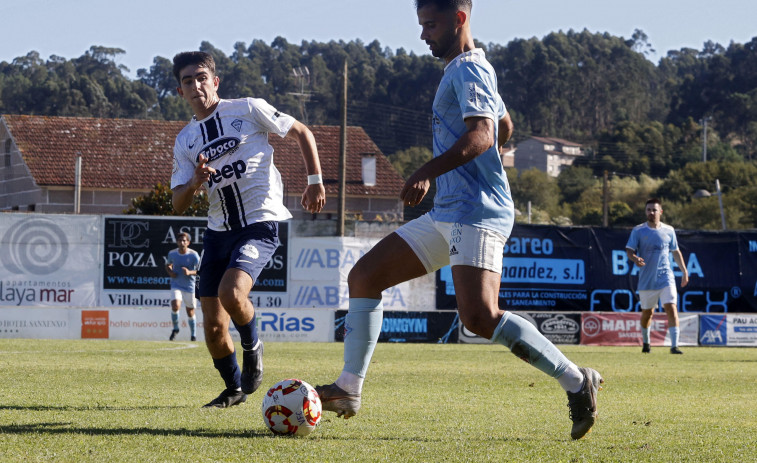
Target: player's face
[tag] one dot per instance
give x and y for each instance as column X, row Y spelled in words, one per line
column 439, row 29
column 182, row 243
column 200, row 88
column 654, row 213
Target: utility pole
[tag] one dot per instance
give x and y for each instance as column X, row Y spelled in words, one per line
column 77, row 183
column 302, row 77
column 704, row 122
column 720, row 202
column 342, row 157
column 605, row 200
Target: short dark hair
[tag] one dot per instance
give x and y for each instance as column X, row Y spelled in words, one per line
column 444, row 5
column 653, row 201
column 187, row 58
column 183, row 235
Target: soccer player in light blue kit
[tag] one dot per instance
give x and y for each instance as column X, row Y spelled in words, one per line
column 467, row 228
column 649, row 247
column 181, row 265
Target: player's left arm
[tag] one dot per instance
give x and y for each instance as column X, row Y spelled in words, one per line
column 314, row 197
column 505, row 130
column 478, row 138
column 678, row 257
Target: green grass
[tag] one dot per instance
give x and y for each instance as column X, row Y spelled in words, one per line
column 107, row 401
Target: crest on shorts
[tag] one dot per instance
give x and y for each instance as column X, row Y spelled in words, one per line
column 250, row 251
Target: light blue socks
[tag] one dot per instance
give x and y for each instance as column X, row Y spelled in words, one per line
column 175, row 320
column 646, row 333
column 525, row 341
column 674, row 332
column 193, row 326
column 362, row 327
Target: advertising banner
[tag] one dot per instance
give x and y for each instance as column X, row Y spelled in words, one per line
column 400, row 326
column 713, row 330
column 549, row 268
column 39, row 323
column 49, row 260
column 624, row 329
column 134, row 258
column 748, row 268
column 273, row 325
column 738, row 330
column 559, row 328
column 319, row 270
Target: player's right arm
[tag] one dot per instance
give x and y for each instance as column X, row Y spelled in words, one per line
column 169, row 271
column 184, row 194
column 631, row 253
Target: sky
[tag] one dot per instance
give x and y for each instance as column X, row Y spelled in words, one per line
column 145, row 29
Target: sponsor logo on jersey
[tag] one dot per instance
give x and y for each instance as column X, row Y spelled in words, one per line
column 237, row 124
column 276, row 115
column 235, row 169
column 218, row 148
column 473, row 93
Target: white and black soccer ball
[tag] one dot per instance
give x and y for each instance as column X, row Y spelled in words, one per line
column 291, row 407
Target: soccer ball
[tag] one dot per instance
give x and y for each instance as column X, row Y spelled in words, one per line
column 291, row 407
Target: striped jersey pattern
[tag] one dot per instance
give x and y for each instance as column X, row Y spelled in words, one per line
column 246, row 187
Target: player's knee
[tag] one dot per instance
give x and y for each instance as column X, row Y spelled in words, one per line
column 360, row 280
column 213, row 331
column 478, row 323
column 232, row 298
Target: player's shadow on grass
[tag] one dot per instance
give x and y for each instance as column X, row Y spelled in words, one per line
column 66, row 428
column 83, row 408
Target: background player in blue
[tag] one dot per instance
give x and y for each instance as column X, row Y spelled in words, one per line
column 649, row 247
column 181, row 265
column 467, row 228
column 225, row 149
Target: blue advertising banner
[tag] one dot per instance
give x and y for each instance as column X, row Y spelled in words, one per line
column 549, row 268
column 713, row 330
column 400, row 326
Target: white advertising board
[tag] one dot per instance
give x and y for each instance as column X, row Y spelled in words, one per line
column 49, row 260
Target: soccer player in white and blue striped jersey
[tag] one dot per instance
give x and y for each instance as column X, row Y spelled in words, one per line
column 225, row 149
column 649, row 247
column 470, row 222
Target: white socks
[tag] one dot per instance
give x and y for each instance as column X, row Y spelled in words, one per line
column 350, row 382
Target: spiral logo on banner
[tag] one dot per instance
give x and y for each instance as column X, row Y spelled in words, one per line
column 37, row 246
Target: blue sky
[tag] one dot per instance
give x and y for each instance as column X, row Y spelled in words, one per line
column 145, row 29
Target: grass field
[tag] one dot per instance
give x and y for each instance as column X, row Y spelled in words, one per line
column 108, row 401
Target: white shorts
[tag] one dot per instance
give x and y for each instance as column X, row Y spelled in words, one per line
column 184, row 296
column 650, row 297
column 443, row 243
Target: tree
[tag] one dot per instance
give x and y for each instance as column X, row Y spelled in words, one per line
column 574, row 180
column 408, row 161
column 158, row 202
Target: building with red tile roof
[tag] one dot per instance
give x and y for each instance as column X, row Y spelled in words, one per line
column 125, row 158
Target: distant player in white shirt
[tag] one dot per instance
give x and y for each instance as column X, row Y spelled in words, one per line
column 181, row 265
column 471, row 220
column 225, row 149
column 649, row 247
